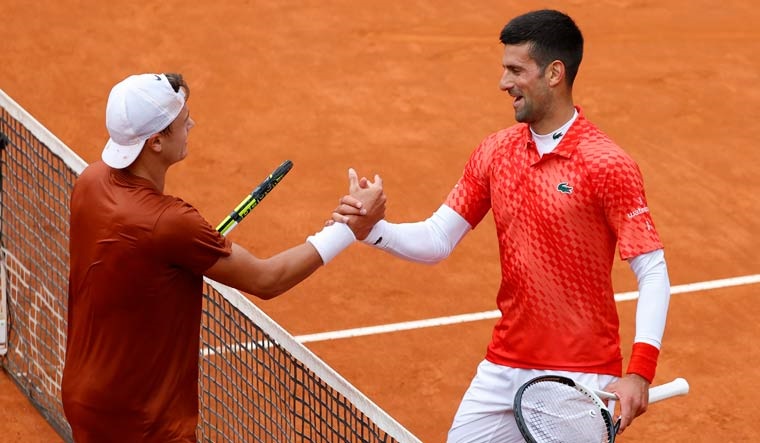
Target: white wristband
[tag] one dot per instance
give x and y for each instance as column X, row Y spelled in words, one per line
column 331, row 240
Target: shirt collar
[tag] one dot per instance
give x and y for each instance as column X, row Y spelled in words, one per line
column 570, row 140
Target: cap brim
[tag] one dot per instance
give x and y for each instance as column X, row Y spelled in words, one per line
column 120, row 156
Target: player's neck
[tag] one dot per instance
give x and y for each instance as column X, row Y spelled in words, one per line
column 151, row 171
column 554, row 119
column 556, row 128
column 546, row 143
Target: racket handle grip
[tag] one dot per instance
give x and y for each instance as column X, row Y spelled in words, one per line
column 679, row 386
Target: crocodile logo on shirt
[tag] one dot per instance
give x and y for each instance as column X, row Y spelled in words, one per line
column 565, row 188
column 556, row 135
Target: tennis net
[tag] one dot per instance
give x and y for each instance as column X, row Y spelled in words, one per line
column 256, row 384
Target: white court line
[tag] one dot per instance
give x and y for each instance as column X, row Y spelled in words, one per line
column 454, row 319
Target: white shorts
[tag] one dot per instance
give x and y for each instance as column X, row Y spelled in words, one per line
column 485, row 413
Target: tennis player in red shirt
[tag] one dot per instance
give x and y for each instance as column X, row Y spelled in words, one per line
column 563, row 196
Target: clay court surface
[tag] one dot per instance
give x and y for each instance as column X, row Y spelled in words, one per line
column 407, row 89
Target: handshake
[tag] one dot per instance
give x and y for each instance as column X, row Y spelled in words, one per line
column 362, row 207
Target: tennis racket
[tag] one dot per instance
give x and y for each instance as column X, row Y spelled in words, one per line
column 556, row 409
column 252, row 200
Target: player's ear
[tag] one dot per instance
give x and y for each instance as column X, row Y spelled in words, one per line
column 153, row 143
column 555, row 72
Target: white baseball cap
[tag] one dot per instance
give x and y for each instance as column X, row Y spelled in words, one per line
column 138, row 107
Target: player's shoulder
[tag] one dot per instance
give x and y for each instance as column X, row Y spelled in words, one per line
column 177, row 218
column 91, row 181
column 518, row 132
column 594, row 145
column 92, row 171
column 510, row 137
column 175, row 209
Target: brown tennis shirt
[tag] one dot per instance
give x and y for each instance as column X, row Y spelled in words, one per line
column 135, row 298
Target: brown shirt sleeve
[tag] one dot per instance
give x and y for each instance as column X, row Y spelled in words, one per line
column 187, row 240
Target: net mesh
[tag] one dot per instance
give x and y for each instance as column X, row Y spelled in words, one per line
column 256, row 384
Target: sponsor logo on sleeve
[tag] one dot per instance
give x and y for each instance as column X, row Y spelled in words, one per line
column 638, row 211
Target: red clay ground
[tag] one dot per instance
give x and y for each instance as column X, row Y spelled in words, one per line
column 407, row 89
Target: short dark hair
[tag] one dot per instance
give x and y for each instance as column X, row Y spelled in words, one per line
column 552, row 35
column 177, row 81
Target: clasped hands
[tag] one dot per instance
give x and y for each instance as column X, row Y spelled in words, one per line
column 362, row 207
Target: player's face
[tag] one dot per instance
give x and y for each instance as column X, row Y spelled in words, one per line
column 174, row 144
column 524, row 80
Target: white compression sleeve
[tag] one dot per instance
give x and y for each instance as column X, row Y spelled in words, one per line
column 428, row 241
column 654, row 296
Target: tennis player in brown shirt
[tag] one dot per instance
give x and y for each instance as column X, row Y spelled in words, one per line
column 138, row 257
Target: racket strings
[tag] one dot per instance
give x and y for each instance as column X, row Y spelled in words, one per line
column 557, row 413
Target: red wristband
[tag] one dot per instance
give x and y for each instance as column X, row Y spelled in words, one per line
column 643, row 361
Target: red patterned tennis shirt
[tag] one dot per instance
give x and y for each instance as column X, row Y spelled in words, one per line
column 559, row 219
